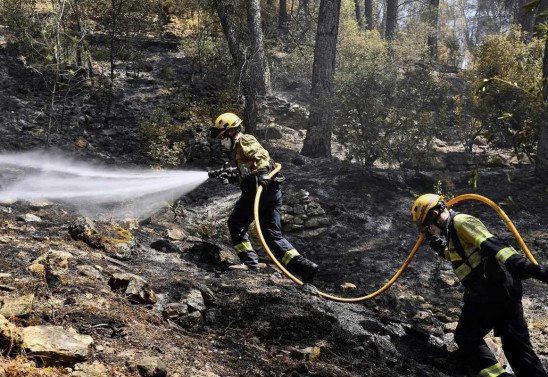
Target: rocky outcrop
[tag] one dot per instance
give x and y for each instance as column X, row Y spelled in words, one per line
column 303, row 215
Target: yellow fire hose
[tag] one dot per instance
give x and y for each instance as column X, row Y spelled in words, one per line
column 392, row 280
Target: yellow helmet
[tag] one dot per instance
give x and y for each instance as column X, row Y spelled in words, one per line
column 422, row 205
column 224, row 122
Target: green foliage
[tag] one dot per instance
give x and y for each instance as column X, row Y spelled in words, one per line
column 163, row 139
column 208, row 50
column 509, row 73
column 388, row 110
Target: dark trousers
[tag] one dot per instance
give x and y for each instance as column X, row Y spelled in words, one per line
column 269, row 217
column 506, row 318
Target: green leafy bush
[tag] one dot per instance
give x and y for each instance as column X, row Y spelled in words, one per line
column 389, row 109
column 509, row 77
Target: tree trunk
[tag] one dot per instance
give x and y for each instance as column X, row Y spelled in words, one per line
column 79, row 32
column 359, row 16
column 391, row 19
column 258, row 73
column 368, row 6
column 433, row 17
column 283, row 20
column 225, row 12
column 320, row 125
column 542, row 146
column 524, row 18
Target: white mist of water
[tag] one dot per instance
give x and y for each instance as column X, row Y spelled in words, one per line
column 95, row 191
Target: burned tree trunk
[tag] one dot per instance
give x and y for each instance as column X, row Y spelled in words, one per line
column 320, row 125
column 391, row 19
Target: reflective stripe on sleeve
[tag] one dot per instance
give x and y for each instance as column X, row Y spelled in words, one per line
column 243, row 247
column 504, row 254
column 493, row 371
column 289, row 254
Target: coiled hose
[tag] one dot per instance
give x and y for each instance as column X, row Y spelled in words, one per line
column 398, row 273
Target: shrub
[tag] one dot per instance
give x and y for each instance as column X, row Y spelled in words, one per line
column 162, row 139
column 508, row 73
column 389, row 109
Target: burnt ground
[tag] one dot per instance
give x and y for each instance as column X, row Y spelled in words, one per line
column 258, row 324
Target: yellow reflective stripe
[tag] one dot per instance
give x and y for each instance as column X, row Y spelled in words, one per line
column 454, row 256
column 493, row 371
column 504, row 254
column 289, row 254
column 474, row 259
column 462, row 271
column 243, row 247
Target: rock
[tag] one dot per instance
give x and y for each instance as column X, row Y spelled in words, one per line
column 29, row 218
column 311, row 232
column 89, row 271
column 305, row 354
column 95, row 369
column 10, row 335
column 134, row 287
column 55, row 263
column 386, row 349
column 195, row 300
column 448, row 278
column 37, row 269
column 269, row 133
column 39, row 204
column 165, row 245
column 174, row 310
column 176, row 234
column 450, row 327
column 83, row 229
column 81, row 143
column 53, row 345
column 16, row 306
column 317, row 222
column 151, row 367
column 193, row 320
column 348, row 286
column 209, row 253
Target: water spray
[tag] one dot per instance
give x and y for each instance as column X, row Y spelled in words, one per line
column 92, row 190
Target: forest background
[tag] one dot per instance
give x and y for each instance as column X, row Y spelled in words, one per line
column 384, row 78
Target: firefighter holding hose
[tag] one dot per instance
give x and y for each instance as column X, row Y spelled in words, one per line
column 253, row 164
column 491, row 272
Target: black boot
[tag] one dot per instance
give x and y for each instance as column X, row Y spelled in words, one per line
column 250, row 259
column 303, row 267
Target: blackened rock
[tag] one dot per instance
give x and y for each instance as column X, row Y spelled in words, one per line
column 165, row 245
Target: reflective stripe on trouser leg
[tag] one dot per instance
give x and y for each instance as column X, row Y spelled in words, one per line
column 492, row 371
column 243, row 247
column 288, row 256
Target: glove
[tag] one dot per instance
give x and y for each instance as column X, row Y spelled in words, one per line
column 542, row 275
column 438, row 244
column 262, row 178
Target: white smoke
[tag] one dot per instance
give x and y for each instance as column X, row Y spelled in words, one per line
column 92, row 190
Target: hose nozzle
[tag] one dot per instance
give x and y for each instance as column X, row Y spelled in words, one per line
column 226, row 174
